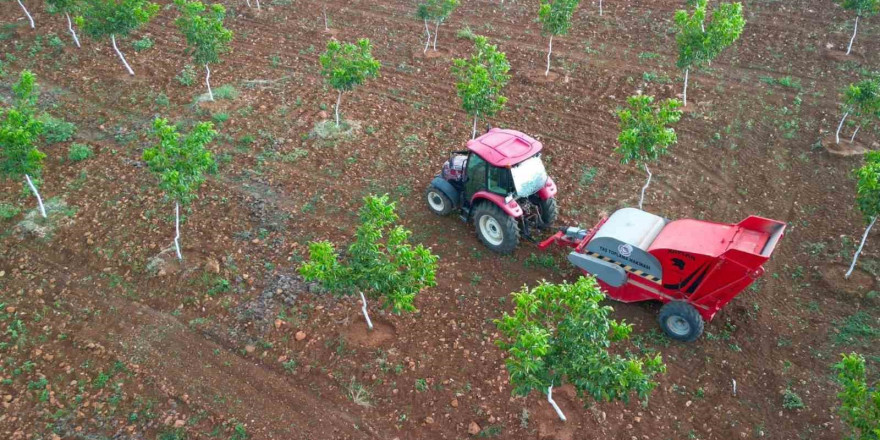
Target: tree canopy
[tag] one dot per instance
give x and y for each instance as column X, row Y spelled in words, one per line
column 644, row 128
column 859, row 401
column 481, row 78
column 868, row 185
column 862, row 8
column 700, row 42
column 555, row 16
column 348, row 65
column 102, row 18
column 862, row 100
column 180, row 161
column 436, row 10
column 203, row 28
column 20, row 131
column 63, row 6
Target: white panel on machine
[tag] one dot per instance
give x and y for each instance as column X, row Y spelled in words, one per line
column 633, row 226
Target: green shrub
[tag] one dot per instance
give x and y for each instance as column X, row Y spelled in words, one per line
column 466, row 33
column 187, row 76
column 790, row 400
column 56, row 129
column 79, row 152
column 143, row 44
column 8, row 210
column 859, row 400
column 226, row 91
column 163, row 100
column 220, row 118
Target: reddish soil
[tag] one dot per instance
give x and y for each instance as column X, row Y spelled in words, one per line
column 95, row 347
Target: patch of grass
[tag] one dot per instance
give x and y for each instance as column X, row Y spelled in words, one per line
column 55, row 129
column 859, row 329
column 187, row 76
column 8, row 210
column 163, row 100
column 358, row 393
column 490, row 431
column 143, row 44
column 790, row 400
column 79, row 152
column 176, row 434
column 543, row 261
column 421, row 385
column 588, row 175
column 220, row 118
column 226, row 91
column 466, row 33
column 295, row 155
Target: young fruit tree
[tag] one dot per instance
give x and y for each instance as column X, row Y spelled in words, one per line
column 207, row 38
column 180, row 163
column 862, row 101
column 480, row 79
column 381, row 262
column 645, row 134
column 555, row 20
column 27, row 13
column 862, row 8
column 859, row 401
column 561, row 333
column 437, row 11
column 102, row 18
column 700, row 42
column 348, row 65
column 65, row 7
column 19, row 132
column 867, row 198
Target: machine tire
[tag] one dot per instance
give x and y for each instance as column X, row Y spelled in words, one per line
column 548, row 212
column 497, row 230
column 681, row 321
column 437, row 201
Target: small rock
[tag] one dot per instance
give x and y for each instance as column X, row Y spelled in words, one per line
column 10, row 309
column 179, row 423
column 300, row 335
column 2, row 273
column 429, row 420
column 323, row 115
column 688, row 403
column 473, row 428
column 250, row 348
column 278, row 323
column 168, row 420
column 454, row 403
column 7, row 398
column 212, row 265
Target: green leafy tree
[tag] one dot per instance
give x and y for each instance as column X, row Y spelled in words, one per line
column 862, row 101
column 700, row 42
column 645, row 134
column 102, row 18
column 381, row 262
column 180, row 163
column 560, row 333
column 66, row 7
column 867, row 197
column 348, row 65
column 555, row 17
column 207, row 38
column 437, row 11
column 862, row 8
column 859, row 402
column 480, row 79
column 19, row 132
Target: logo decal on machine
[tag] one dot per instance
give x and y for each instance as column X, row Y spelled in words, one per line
column 625, row 249
column 625, row 267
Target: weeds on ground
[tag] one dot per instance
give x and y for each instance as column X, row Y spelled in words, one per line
column 79, row 152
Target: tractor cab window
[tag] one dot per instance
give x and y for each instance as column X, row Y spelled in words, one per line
column 499, row 181
column 476, row 175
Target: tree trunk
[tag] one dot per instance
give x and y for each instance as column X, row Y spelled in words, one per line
column 549, row 51
column 208, row 82
column 855, row 29
column 474, row 130
column 859, row 250
column 436, row 31
column 839, row 126
column 428, row 40
column 642, row 198
column 248, row 3
column 121, row 57
column 177, row 230
column 364, row 310
column 31, row 19
column 600, row 7
column 326, row 22
column 553, row 404
column 338, row 101
column 258, row 5
column 36, row 193
column 685, row 95
column 72, row 31
column 854, row 134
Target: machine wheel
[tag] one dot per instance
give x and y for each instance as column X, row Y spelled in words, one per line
column 681, row 321
column 548, row 212
column 438, row 202
column 497, row 230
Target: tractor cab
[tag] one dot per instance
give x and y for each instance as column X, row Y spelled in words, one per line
column 502, row 172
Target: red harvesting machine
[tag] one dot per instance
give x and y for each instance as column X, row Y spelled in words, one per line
column 694, row 267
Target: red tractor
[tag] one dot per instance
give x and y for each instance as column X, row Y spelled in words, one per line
column 500, row 184
column 694, row 267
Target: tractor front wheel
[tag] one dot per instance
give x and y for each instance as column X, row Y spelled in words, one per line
column 681, row 321
column 548, row 212
column 497, row 230
column 438, row 202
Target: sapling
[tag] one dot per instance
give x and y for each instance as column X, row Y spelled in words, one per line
column 205, row 34
column 480, row 80
column 645, row 134
column 381, row 263
column 19, row 132
column 700, row 42
column 555, row 17
column 867, row 198
column 65, row 7
column 862, row 8
column 180, row 163
column 27, row 13
column 859, row 399
column 424, row 12
column 561, row 333
column 348, row 65
column 102, row 18
column 862, row 101
column 444, row 9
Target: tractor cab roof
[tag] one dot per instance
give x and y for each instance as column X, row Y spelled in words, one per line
column 504, row 148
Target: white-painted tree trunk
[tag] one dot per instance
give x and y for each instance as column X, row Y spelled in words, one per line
column 854, row 134
column 428, row 39
column 685, row 94
column 364, row 310
column 859, row 250
column 72, row 31
column 554, row 405
column 36, row 193
column 338, row 101
column 248, row 2
column 436, row 31
column 734, row 386
column 600, row 7
column 326, row 21
column 642, row 198
column 121, row 57
column 855, row 29
column 31, row 19
column 474, row 130
column 258, row 5
column 549, row 51
column 208, row 82
column 839, row 126
column 177, row 230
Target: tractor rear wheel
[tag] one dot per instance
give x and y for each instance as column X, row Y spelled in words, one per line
column 438, row 202
column 548, row 212
column 681, row 321
column 497, row 230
